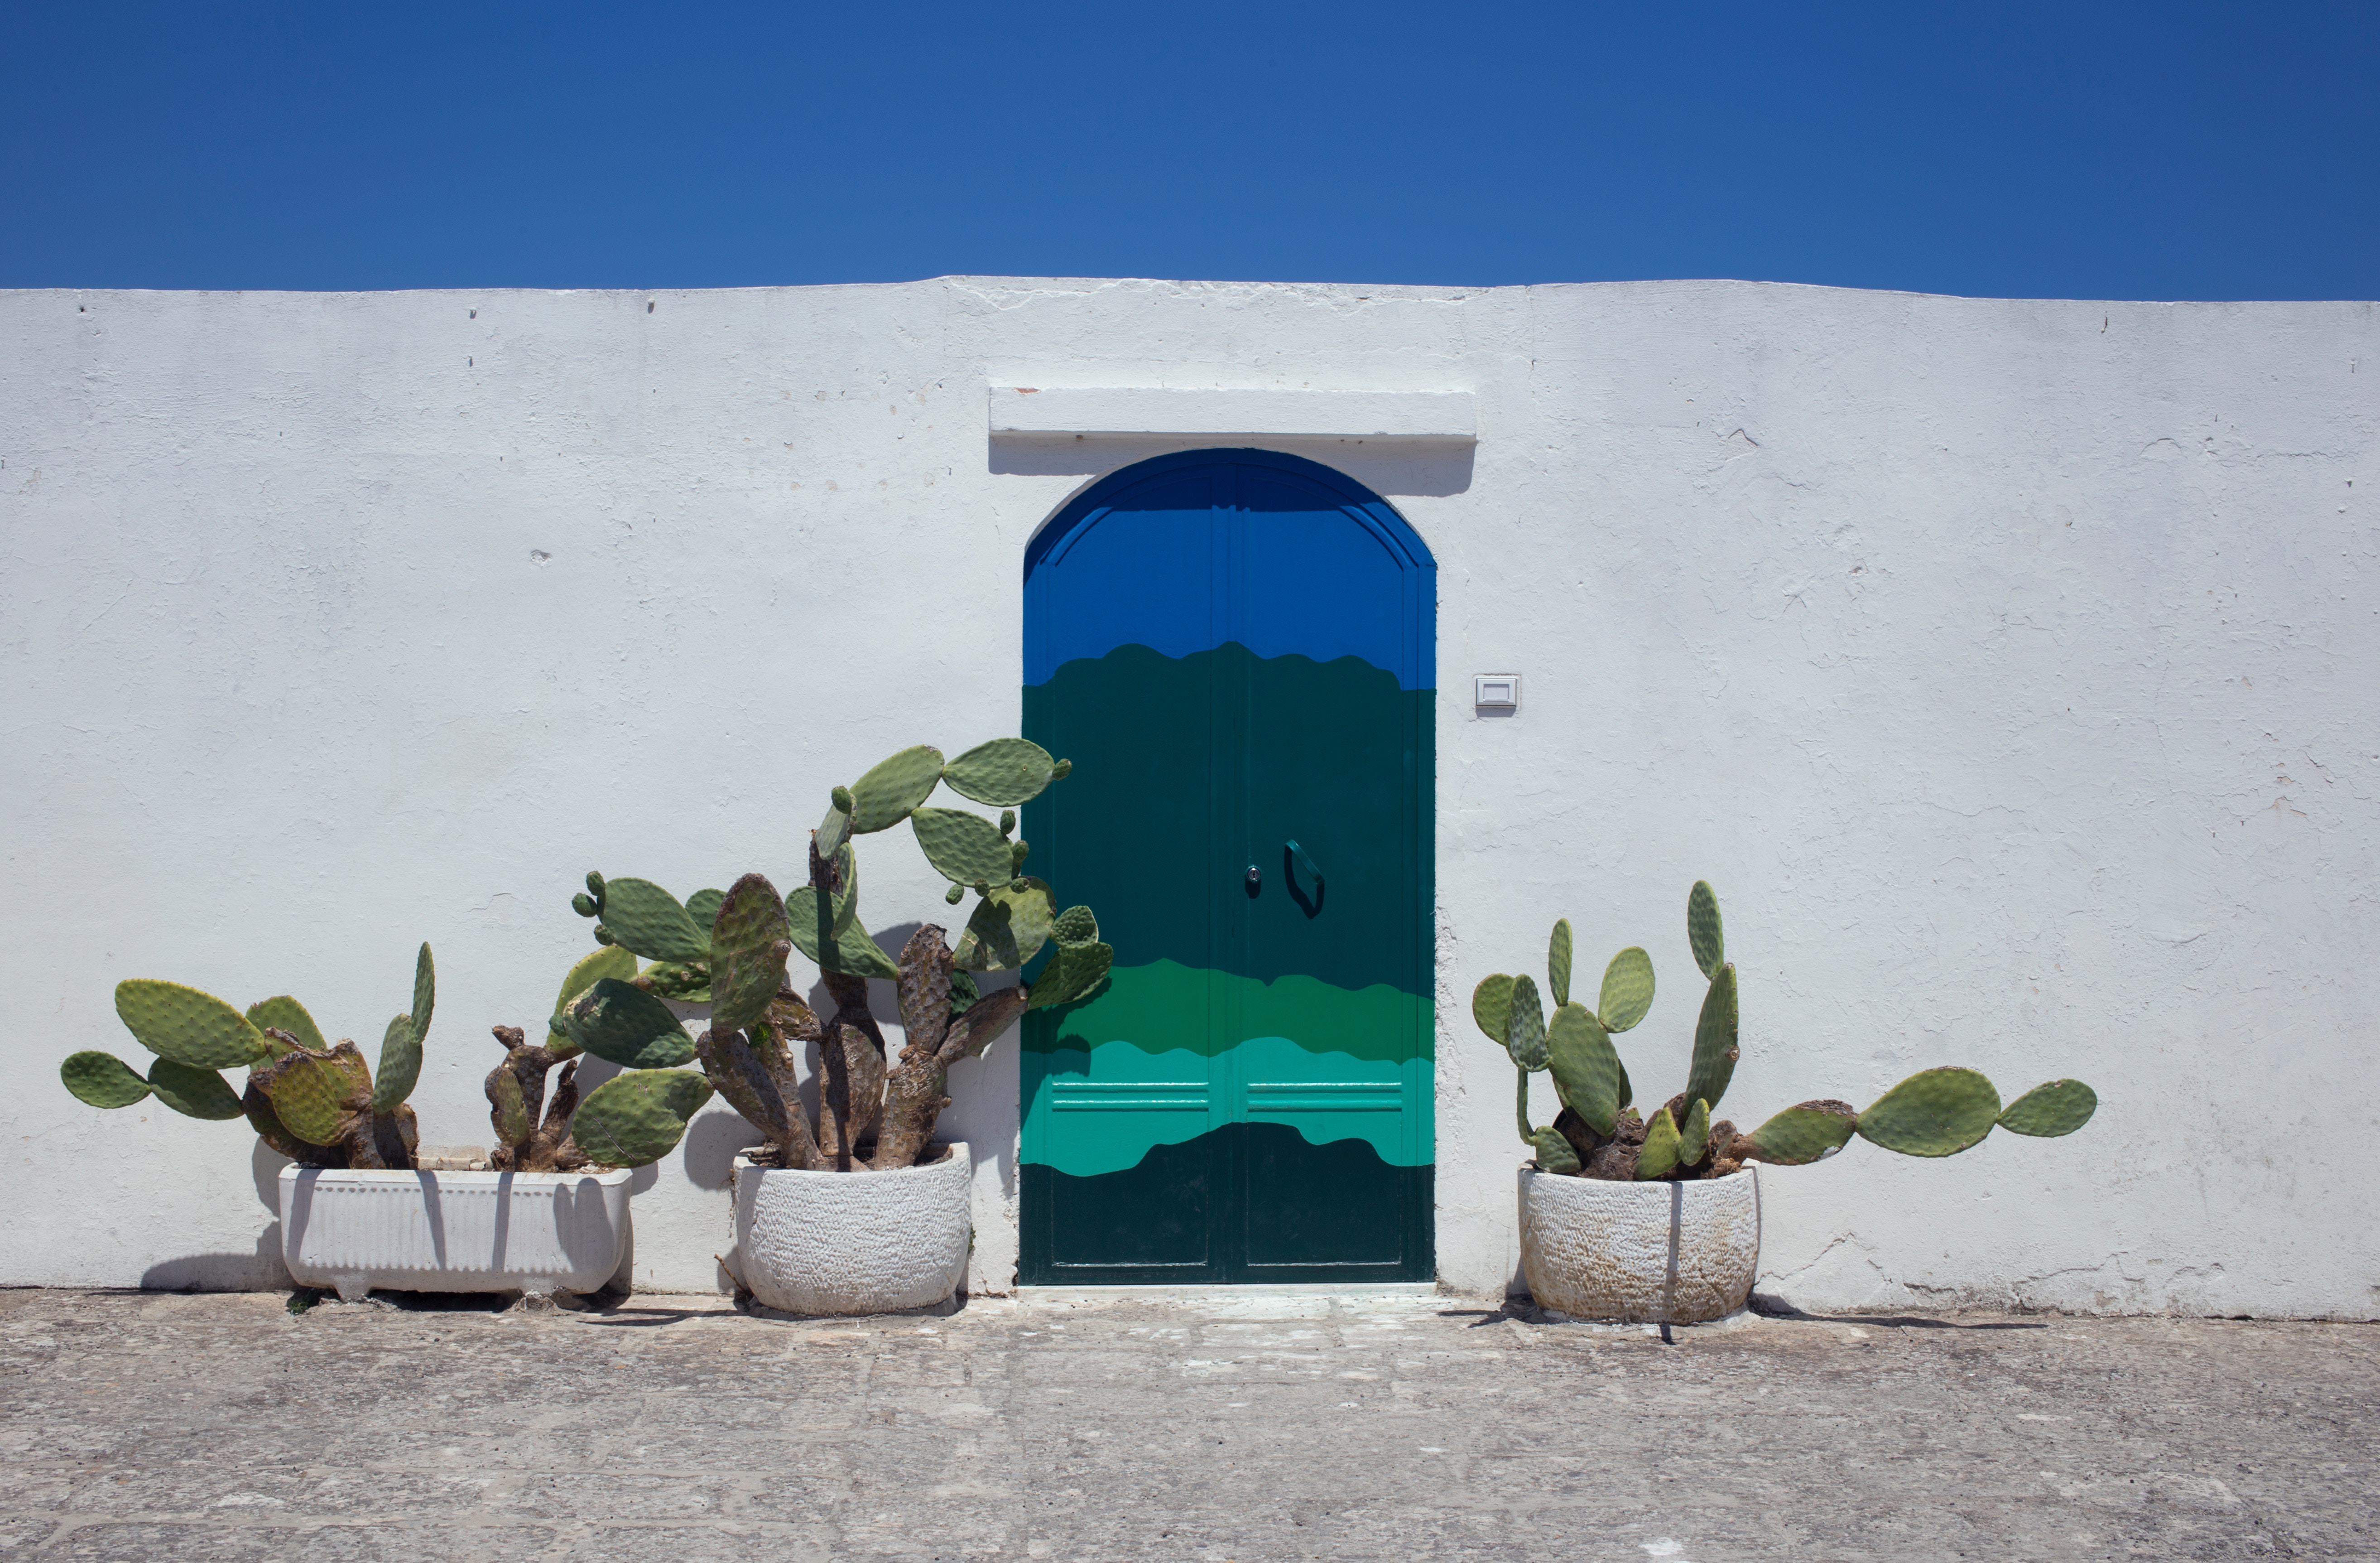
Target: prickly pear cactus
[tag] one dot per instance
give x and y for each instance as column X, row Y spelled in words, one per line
column 1937, row 1112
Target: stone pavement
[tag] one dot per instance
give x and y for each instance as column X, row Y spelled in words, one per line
column 1243, row 1427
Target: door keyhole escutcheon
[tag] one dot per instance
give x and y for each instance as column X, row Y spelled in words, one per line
column 1256, row 879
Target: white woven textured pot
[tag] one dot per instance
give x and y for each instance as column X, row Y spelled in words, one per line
column 536, row 1232
column 1659, row 1253
column 854, row 1242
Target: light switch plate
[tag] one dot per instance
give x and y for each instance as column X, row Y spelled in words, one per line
column 1501, row 690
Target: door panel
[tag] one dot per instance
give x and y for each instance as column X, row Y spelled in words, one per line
column 1233, row 648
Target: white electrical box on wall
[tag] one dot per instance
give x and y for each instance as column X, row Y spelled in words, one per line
column 1497, row 691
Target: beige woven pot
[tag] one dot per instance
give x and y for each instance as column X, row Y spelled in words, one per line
column 1647, row 1254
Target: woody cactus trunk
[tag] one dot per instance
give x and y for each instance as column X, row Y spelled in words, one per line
column 315, row 1102
column 873, row 1111
column 1598, row 1133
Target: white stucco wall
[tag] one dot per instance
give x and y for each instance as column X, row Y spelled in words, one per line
column 2008, row 666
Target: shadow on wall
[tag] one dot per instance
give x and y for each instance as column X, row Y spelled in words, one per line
column 1427, row 468
column 259, row 1270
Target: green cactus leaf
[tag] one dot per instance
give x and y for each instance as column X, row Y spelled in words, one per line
column 750, row 938
column 883, row 798
column 1585, row 1066
column 1002, row 772
column 637, row 1119
column 1073, row 973
column 1627, row 1090
column 689, row 982
column 1627, row 990
column 629, row 1026
column 963, row 993
column 702, row 907
column 195, row 1094
column 1715, row 1040
column 846, row 946
column 1703, row 930
column 400, row 1064
column 1932, row 1113
column 1525, row 1026
column 508, row 1110
column 835, row 831
column 1075, row 926
column 611, row 961
column 2061, row 1106
column 285, row 1014
column 313, row 1093
column 1554, row 1153
column 1008, row 928
column 963, row 848
column 1491, row 1006
column 1557, row 963
column 1694, row 1135
column 190, row 1026
column 1802, row 1134
column 425, row 998
column 1662, row 1150
column 643, row 917
column 103, row 1079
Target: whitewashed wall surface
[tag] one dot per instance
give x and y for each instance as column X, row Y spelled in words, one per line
column 2012, row 668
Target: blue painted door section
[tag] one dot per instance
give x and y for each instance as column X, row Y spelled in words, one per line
column 1235, row 649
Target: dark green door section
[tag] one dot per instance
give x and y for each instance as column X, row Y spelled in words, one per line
column 1235, row 649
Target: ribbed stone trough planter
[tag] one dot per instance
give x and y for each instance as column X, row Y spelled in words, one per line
column 1649, row 1253
column 840, row 1243
column 531, row 1232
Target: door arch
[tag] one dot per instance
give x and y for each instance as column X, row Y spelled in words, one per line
column 1236, row 647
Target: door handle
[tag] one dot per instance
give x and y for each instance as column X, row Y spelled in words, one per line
column 1297, row 854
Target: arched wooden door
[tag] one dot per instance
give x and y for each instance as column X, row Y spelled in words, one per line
column 1235, row 649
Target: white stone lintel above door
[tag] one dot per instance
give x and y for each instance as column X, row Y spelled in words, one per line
column 1137, row 411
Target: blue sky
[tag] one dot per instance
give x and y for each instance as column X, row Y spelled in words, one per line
column 2136, row 151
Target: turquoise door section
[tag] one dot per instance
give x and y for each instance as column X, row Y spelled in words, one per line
column 1235, row 649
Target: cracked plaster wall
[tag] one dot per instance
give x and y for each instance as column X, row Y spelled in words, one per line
column 2008, row 666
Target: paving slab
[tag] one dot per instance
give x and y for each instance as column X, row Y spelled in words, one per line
column 1223, row 1427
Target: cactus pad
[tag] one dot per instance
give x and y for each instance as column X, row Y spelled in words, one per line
column 1557, row 963
column 1008, row 928
column 1694, row 1135
column 1585, row 1066
column 1801, row 1134
column 750, row 938
column 190, row 1026
column 835, row 831
column 1491, row 1006
column 103, row 1079
column 1662, row 1153
column 702, row 907
column 963, row 848
column 400, row 1064
column 1003, row 771
column 883, row 798
column 1703, row 930
column 1524, row 1027
column 641, row 916
column 425, row 998
column 2060, row 1108
column 314, row 1093
column 1554, row 1153
column 638, row 1118
column 195, row 1094
column 1627, row 990
column 1075, row 926
column 629, row 1026
column 1073, row 974
column 507, row 1109
column 285, row 1014
column 846, row 946
column 609, row 961
column 1715, row 1040
column 1932, row 1113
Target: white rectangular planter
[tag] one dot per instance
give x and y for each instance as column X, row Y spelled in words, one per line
column 453, row 1231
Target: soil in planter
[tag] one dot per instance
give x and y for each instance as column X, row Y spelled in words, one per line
column 769, row 1156
column 1614, row 1160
